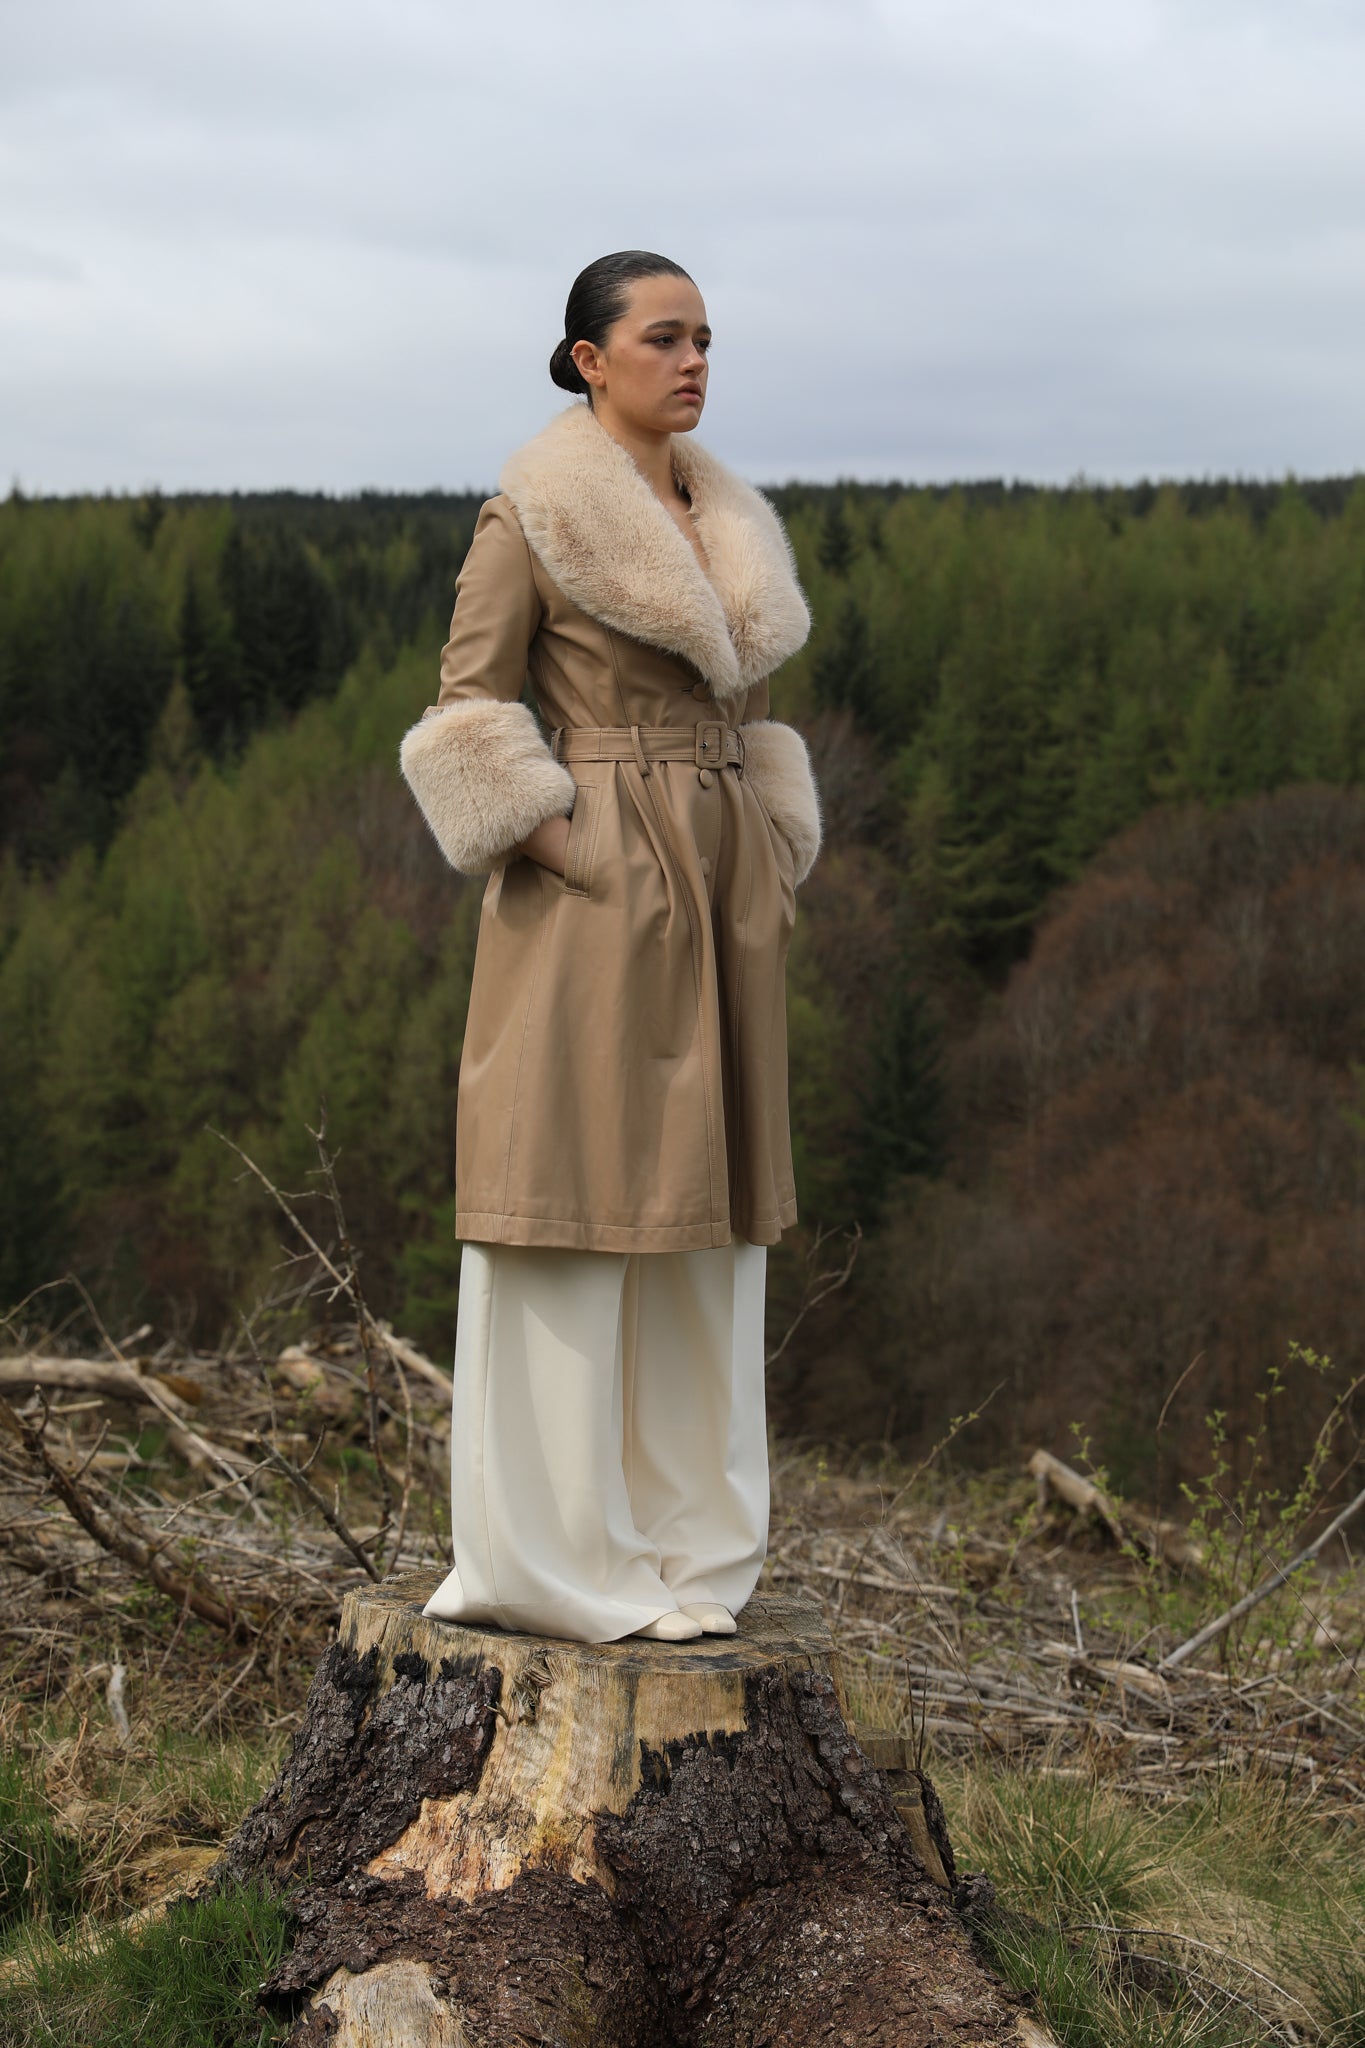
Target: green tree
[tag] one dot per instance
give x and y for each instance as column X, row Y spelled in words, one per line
column 844, row 670
column 901, row 1124
column 838, row 542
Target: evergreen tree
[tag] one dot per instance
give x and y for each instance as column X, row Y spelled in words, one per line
column 838, row 544
column 211, row 665
column 844, row 671
column 1205, row 763
column 901, row 1122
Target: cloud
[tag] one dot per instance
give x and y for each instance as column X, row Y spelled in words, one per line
column 330, row 247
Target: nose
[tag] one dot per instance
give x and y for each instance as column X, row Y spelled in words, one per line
column 695, row 363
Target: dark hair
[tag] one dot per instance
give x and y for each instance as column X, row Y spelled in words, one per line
column 597, row 300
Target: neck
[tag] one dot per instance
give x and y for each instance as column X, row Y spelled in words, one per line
column 651, row 450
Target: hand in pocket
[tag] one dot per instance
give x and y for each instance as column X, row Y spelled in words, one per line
column 549, row 843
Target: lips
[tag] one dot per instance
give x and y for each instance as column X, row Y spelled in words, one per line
column 687, row 391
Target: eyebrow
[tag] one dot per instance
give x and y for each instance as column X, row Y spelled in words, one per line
column 703, row 329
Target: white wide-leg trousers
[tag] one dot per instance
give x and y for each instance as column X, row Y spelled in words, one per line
column 608, row 1445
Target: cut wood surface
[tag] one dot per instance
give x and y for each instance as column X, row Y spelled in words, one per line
column 496, row 1838
column 1163, row 1539
column 107, row 1376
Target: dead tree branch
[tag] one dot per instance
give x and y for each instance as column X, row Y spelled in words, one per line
column 120, row 1533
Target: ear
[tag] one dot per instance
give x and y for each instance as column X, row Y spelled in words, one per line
column 589, row 363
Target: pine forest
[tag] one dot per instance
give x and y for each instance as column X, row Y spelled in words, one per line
column 1075, row 996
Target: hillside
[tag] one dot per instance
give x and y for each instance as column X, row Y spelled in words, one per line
column 1073, row 996
column 1152, row 1181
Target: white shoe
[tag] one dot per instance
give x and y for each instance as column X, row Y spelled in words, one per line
column 673, row 1627
column 715, row 1620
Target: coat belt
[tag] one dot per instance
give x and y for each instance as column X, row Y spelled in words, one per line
column 710, row 744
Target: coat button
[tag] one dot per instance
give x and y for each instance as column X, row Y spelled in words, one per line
column 705, row 777
column 705, row 863
column 701, row 691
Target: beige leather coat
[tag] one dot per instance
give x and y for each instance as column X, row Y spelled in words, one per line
column 623, row 1084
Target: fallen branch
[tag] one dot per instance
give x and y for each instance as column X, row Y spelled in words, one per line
column 787, row 1568
column 108, row 1377
column 1213, row 1629
column 1161, row 1539
column 113, row 1379
column 116, row 1531
column 415, row 1360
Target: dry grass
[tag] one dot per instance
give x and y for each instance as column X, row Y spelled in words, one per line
column 1218, row 1808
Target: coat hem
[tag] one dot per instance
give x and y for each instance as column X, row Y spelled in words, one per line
column 569, row 1233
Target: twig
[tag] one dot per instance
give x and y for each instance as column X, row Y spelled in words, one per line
column 346, row 1282
column 1187, row 1941
column 1213, row 1629
column 954, row 1429
column 405, row 1502
column 249, row 1471
column 330, row 1516
column 219, row 1698
column 1165, row 1406
column 820, row 1287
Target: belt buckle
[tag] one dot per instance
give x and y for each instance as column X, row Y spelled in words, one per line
column 708, row 748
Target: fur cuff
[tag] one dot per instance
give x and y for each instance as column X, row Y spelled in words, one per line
column 483, row 777
column 777, row 766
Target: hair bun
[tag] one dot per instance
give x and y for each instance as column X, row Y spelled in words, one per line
column 564, row 371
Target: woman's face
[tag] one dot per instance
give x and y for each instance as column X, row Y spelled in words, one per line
column 651, row 369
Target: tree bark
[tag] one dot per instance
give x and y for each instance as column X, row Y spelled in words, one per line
column 489, row 1838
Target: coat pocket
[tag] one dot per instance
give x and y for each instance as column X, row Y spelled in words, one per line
column 582, row 838
column 787, row 852
column 784, row 851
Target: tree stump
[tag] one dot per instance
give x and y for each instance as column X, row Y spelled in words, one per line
column 489, row 1838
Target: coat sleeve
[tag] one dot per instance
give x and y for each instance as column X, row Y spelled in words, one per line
column 777, row 767
column 476, row 762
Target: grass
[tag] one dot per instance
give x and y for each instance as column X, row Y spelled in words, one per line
column 1092, row 2000
column 86, row 1828
column 1232, row 1915
column 41, row 1864
column 187, row 1980
column 90, row 1827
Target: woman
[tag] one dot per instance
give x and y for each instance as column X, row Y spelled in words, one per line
column 623, row 1157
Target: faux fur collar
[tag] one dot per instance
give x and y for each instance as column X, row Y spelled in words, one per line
column 609, row 544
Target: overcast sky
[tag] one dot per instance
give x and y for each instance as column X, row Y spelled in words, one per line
column 328, row 246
